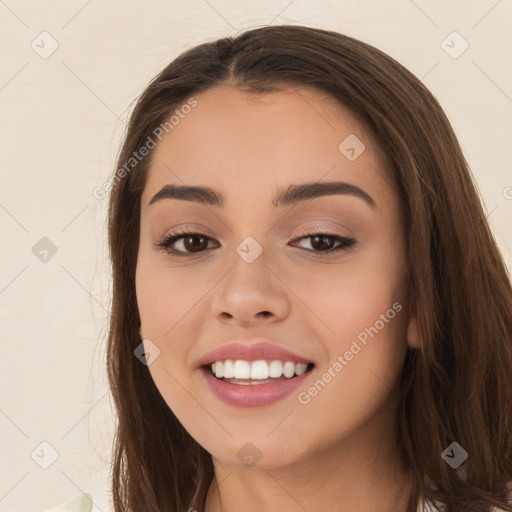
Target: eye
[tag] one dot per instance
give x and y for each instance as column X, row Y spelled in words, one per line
column 190, row 241
column 322, row 243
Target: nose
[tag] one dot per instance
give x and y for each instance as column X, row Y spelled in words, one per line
column 250, row 294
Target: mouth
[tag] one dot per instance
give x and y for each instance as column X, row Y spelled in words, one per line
column 260, row 383
column 241, row 372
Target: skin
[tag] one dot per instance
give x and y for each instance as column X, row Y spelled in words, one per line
column 337, row 452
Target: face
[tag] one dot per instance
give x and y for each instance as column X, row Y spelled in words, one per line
column 315, row 281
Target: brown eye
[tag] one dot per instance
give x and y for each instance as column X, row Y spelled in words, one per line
column 191, row 243
column 194, row 242
column 326, row 243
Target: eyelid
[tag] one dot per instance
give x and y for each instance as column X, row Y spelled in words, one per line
column 323, row 230
column 340, row 231
column 348, row 242
column 184, row 229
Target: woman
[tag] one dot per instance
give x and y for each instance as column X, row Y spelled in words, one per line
column 309, row 309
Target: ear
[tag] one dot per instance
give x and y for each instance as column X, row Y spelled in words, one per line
column 412, row 333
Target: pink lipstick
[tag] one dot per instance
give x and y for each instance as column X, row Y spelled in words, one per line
column 253, row 375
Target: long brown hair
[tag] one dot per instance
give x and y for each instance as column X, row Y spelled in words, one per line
column 456, row 387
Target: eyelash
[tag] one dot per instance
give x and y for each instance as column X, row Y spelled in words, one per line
column 346, row 243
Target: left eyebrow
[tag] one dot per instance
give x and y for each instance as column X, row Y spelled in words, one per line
column 292, row 194
column 297, row 193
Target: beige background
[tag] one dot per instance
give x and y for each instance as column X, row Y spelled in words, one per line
column 62, row 121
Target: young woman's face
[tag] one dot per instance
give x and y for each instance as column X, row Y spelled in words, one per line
column 253, row 284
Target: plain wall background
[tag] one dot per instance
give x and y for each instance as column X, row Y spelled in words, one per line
column 62, row 121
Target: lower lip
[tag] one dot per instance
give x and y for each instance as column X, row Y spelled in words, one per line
column 252, row 395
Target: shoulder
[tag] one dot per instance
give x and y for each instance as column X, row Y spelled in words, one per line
column 82, row 503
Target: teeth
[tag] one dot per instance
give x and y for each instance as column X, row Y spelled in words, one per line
column 242, row 370
column 259, row 370
column 275, row 369
column 300, row 368
column 228, row 369
column 256, row 370
column 219, row 370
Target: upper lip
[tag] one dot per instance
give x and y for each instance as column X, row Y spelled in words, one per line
column 251, row 350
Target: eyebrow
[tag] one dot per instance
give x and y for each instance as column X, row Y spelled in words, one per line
column 293, row 194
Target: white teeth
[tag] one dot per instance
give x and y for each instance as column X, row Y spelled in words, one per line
column 229, row 369
column 242, row 370
column 256, row 370
column 289, row 370
column 219, row 369
column 259, row 370
column 275, row 369
column 300, row 368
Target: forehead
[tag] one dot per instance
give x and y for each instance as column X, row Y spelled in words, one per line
column 253, row 142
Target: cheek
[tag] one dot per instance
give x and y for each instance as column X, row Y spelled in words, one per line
column 173, row 307
column 168, row 299
column 169, row 306
column 357, row 379
column 343, row 299
column 363, row 315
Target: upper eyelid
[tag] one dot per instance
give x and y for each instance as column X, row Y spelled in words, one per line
column 304, row 233
column 203, row 230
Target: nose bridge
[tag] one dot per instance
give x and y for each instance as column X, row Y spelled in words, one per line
column 250, row 287
column 250, row 261
column 251, row 232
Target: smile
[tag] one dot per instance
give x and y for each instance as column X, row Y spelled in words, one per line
column 261, row 371
column 261, row 383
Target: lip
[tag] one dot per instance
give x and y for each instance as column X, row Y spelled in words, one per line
column 258, row 395
column 252, row 395
column 251, row 350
